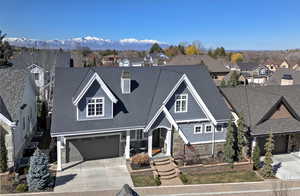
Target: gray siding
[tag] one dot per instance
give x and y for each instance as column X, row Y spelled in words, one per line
column 188, row 131
column 95, row 90
column 193, row 111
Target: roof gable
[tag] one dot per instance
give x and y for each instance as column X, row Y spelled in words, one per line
column 83, row 88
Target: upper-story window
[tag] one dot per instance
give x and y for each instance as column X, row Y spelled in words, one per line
column 219, row 128
column 197, row 129
column 95, row 107
column 181, row 103
column 208, row 128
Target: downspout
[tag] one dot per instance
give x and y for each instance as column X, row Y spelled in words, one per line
column 213, row 142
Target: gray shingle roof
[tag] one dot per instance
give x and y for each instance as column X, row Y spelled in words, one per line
column 213, row 65
column 12, row 83
column 151, row 85
column 255, row 102
column 47, row 59
column 275, row 79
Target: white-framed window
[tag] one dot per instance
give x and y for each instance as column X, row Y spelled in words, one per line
column 181, row 103
column 95, row 107
column 36, row 76
column 132, row 134
column 197, row 129
column 208, row 128
column 219, row 128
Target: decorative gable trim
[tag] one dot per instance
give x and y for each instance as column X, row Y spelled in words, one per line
column 5, row 120
column 194, row 94
column 88, row 85
column 35, row 65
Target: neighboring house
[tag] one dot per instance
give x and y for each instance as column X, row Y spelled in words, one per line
column 216, row 67
column 132, row 62
column 285, row 64
column 254, row 73
column 268, row 109
column 42, row 63
column 110, row 60
column 156, row 59
column 18, row 112
column 284, row 77
column 106, row 112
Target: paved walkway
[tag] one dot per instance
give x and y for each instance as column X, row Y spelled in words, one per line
column 265, row 188
column 287, row 166
column 93, row 175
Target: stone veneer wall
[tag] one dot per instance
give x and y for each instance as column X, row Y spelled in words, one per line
column 294, row 144
column 179, row 148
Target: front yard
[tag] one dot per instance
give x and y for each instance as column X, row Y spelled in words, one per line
column 220, row 177
column 143, row 180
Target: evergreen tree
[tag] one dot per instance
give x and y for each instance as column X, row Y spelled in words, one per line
column 267, row 170
column 6, row 51
column 3, row 151
column 240, row 138
column 229, row 151
column 38, row 177
column 155, row 48
column 234, row 79
column 256, row 157
column 223, row 83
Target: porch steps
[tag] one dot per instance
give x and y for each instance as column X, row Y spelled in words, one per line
column 167, row 171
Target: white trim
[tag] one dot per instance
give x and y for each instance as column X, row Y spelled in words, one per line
column 103, row 86
column 211, row 128
column 183, row 136
column 198, row 125
column 87, row 104
column 186, row 103
column 8, row 122
column 208, row 142
column 194, row 94
column 58, row 145
column 170, row 118
column 236, row 117
column 89, row 136
column 88, row 132
column 192, row 120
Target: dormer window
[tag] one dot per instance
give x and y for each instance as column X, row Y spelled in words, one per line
column 95, row 107
column 181, row 103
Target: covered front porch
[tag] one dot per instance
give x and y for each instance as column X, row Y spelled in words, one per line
column 156, row 142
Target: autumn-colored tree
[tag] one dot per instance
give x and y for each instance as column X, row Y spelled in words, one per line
column 236, row 57
column 192, row 50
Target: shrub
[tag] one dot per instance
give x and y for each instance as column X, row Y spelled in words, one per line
column 183, row 178
column 256, row 157
column 157, row 181
column 141, row 159
column 3, row 152
column 21, row 188
column 38, row 177
column 267, row 170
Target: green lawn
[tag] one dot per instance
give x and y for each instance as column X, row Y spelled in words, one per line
column 220, row 177
column 139, row 181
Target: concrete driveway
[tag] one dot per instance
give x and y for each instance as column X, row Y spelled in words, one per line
column 94, row 175
column 287, row 166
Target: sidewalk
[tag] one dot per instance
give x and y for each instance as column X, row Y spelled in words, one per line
column 265, row 188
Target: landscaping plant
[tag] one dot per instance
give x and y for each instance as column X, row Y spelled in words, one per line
column 38, row 177
column 229, row 152
column 157, row 181
column 21, row 188
column 256, row 157
column 240, row 138
column 3, row 151
column 267, row 170
column 141, row 159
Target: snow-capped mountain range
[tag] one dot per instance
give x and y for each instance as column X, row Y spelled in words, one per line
column 94, row 43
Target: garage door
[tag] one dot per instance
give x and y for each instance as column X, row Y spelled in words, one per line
column 93, row 148
column 280, row 144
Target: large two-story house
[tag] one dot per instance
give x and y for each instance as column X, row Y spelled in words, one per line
column 106, row 112
column 17, row 110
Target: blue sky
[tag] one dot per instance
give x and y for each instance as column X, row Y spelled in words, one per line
column 234, row 24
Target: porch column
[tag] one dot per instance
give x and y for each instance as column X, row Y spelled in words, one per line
column 59, row 168
column 253, row 143
column 150, row 143
column 127, row 146
column 169, row 142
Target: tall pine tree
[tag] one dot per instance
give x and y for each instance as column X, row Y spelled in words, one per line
column 256, row 157
column 38, row 177
column 229, row 151
column 240, row 138
column 267, row 170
